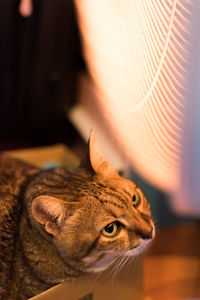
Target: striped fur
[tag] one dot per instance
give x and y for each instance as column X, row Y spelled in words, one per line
column 51, row 225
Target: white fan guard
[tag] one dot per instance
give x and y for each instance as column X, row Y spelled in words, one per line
column 143, row 57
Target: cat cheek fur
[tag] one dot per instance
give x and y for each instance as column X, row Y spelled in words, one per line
column 107, row 251
column 73, row 245
column 110, row 250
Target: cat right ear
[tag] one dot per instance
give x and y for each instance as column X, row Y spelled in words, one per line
column 95, row 161
column 48, row 211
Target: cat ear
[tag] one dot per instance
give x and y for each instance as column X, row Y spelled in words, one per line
column 95, row 160
column 48, row 211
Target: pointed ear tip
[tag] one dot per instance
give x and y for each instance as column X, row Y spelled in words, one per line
column 92, row 134
column 92, row 138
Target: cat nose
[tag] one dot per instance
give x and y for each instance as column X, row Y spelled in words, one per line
column 146, row 235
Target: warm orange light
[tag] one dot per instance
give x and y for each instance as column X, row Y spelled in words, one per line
column 25, row 8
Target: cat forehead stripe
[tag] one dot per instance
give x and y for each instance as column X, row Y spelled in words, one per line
column 118, row 196
column 127, row 193
column 111, row 202
column 114, row 193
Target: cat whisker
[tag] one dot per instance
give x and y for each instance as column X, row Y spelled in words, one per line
column 112, row 269
column 124, row 261
column 119, row 265
column 126, row 264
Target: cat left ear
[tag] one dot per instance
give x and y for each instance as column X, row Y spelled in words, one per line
column 95, row 160
column 48, row 211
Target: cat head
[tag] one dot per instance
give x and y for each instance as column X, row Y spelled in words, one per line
column 92, row 215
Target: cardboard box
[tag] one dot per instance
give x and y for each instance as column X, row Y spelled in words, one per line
column 126, row 286
column 108, row 285
column 49, row 156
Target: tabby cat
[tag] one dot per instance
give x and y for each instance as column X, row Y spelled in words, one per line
column 56, row 225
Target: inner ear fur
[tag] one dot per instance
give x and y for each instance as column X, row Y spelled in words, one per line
column 95, row 161
column 49, row 211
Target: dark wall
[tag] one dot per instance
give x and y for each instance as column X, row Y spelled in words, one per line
column 40, row 58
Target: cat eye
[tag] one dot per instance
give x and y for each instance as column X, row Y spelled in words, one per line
column 136, row 199
column 110, row 230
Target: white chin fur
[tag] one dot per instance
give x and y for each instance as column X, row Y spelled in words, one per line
column 139, row 249
column 144, row 245
column 103, row 264
column 97, row 270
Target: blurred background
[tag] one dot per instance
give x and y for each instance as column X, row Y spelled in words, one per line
column 127, row 69
column 41, row 59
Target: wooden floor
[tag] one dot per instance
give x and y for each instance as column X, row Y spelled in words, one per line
column 172, row 264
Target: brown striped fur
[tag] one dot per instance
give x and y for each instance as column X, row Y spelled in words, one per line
column 51, row 222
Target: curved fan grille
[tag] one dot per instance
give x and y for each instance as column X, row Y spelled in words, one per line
column 139, row 61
